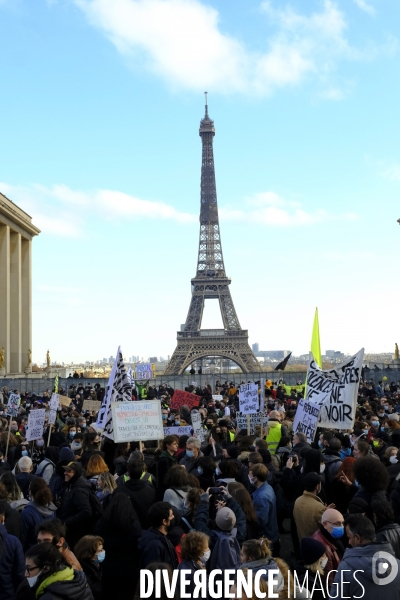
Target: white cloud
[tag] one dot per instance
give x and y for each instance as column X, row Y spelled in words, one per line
column 368, row 8
column 268, row 208
column 182, row 41
column 390, row 171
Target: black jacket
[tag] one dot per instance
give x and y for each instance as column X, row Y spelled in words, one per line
column 142, row 496
column 75, row 510
column 122, row 556
column 390, row 534
column 165, row 463
column 155, row 547
column 13, row 521
column 23, row 480
column 93, row 577
column 395, row 501
column 76, row 589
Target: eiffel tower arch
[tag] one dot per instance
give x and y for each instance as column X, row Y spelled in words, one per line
column 210, row 281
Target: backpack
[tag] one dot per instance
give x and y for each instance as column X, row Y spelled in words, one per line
column 226, row 552
column 40, row 473
column 96, row 507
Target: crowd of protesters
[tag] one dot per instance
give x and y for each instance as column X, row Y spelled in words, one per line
column 81, row 515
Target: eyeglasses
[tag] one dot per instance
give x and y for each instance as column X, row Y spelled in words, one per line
column 30, row 569
column 337, row 524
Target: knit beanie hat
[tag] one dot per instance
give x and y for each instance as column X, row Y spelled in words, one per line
column 66, row 454
column 225, row 519
column 311, row 550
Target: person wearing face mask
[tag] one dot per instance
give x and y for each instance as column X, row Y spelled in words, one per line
column 313, row 561
column 195, row 553
column 37, row 453
column 49, row 577
column 309, row 508
column 91, row 554
column 154, row 545
column 25, row 475
column 90, row 446
column 380, row 442
column 193, row 453
column 75, row 510
column 393, row 468
column 329, row 533
column 12, row 562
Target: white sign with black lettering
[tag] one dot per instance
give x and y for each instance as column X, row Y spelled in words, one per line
column 34, row 430
column 335, row 391
column 306, row 419
column 197, row 427
column 255, row 419
column 248, row 398
column 184, row 430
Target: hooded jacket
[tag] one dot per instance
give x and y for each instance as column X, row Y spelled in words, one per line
column 390, row 534
column 268, row 564
column 361, row 559
column 12, row 565
column 32, row 515
column 64, row 585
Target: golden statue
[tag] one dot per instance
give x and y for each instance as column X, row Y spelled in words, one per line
column 396, row 351
column 2, row 357
column 48, row 358
column 29, row 358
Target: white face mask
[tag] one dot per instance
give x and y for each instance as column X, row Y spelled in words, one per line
column 323, row 562
column 204, row 557
column 32, row 580
column 322, row 468
column 393, row 460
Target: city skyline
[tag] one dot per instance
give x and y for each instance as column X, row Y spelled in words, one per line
column 101, row 147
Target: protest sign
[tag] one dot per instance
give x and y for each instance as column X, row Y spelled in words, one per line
column 13, row 405
column 197, row 426
column 119, row 389
column 306, row 419
column 144, row 371
column 91, row 405
column 335, row 391
column 180, row 398
column 194, row 383
column 255, row 419
column 54, row 402
column 34, row 429
column 248, row 398
column 217, row 397
column 64, row 400
column 185, row 430
column 137, row 421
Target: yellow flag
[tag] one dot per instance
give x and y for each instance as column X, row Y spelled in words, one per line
column 56, row 384
column 315, row 342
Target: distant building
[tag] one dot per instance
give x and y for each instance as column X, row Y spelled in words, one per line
column 334, row 354
column 274, row 354
column 152, row 359
column 256, row 348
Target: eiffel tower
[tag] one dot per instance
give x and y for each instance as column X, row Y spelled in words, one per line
column 211, row 281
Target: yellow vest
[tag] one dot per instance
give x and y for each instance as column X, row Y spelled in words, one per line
column 274, row 436
column 231, row 435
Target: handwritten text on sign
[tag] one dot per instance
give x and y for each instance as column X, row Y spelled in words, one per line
column 136, row 421
column 255, row 420
column 181, row 398
column 248, row 398
column 306, row 419
column 197, row 426
column 13, row 404
column 335, row 391
column 34, row 430
column 185, row 430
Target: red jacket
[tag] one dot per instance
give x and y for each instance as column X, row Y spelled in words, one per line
column 331, row 553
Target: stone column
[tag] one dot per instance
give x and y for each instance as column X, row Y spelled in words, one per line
column 26, row 302
column 5, row 295
column 15, row 302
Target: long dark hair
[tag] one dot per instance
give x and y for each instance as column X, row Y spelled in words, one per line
column 243, row 498
column 119, row 516
column 47, row 555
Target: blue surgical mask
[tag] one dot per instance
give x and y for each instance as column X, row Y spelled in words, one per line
column 189, row 453
column 217, row 472
column 365, row 431
column 101, row 556
column 321, row 444
column 337, row 532
column 164, row 417
column 83, row 425
column 200, row 470
column 24, row 453
column 375, row 423
column 72, row 434
column 177, row 423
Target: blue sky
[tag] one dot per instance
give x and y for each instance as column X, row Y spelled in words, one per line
column 100, row 109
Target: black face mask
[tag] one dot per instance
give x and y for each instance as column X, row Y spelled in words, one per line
column 171, row 524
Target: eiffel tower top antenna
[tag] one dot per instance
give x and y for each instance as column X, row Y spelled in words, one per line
column 206, row 113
